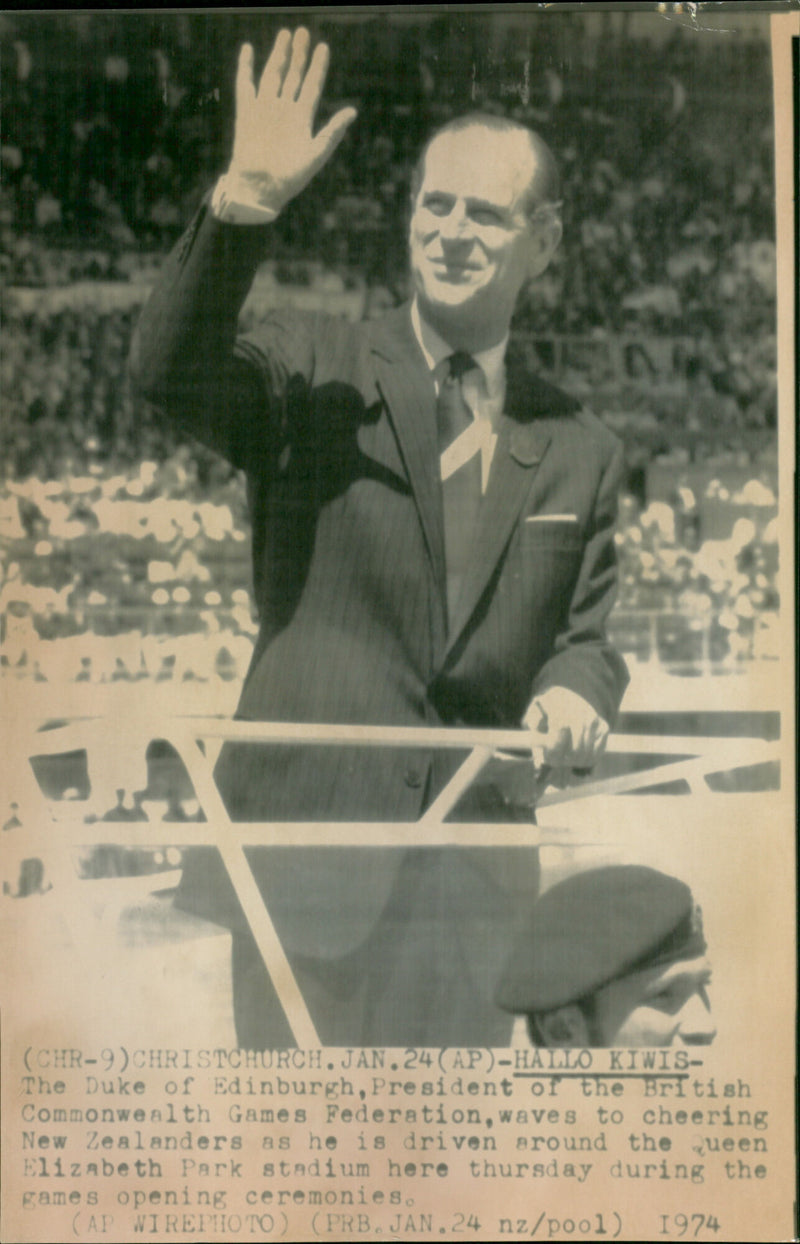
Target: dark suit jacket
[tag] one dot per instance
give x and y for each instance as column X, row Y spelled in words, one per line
column 334, row 425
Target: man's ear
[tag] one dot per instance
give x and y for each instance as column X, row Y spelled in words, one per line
column 565, row 1026
column 546, row 232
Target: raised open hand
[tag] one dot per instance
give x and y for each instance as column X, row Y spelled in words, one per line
column 275, row 152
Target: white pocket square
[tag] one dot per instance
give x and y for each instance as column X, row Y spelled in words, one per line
column 552, row 518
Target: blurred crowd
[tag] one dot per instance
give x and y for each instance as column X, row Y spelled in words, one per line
column 66, row 396
column 126, row 574
column 115, row 125
column 693, row 601
column 137, row 574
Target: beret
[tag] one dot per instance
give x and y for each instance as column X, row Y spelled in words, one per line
column 595, row 927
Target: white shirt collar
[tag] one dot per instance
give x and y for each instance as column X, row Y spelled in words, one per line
column 435, row 349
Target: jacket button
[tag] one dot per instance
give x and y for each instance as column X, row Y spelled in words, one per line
column 413, row 776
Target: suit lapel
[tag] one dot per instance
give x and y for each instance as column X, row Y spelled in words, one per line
column 523, row 438
column 522, row 442
column 519, row 450
column 407, row 388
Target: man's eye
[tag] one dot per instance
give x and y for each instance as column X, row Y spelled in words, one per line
column 665, row 1000
column 485, row 216
column 438, row 205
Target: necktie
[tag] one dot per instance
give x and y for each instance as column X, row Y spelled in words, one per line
column 453, row 415
column 461, row 491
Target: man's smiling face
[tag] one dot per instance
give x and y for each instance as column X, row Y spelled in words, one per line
column 473, row 244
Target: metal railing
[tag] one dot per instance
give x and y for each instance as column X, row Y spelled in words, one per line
column 53, row 829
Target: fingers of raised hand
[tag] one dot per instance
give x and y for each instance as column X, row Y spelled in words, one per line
column 284, row 77
column 276, row 65
column 293, row 81
column 329, row 137
column 310, row 92
column 275, row 151
column 245, row 88
column 291, row 88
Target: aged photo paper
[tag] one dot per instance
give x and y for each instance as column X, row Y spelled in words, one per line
column 130, row 1106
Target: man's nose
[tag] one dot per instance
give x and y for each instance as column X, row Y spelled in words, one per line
column 454, row 227
column 697, row 1025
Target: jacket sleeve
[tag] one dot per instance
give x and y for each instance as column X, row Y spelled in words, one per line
column 186, row 357
column 583, row 660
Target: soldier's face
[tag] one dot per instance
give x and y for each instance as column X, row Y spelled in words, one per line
column 471, row 242
column 660, row 1006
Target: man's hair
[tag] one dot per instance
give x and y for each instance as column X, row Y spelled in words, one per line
column 545, row 184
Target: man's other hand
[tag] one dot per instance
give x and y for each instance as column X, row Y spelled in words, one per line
column 566, row 731
column 275, row 152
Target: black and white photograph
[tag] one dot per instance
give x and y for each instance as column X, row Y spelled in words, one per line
column 397, row 622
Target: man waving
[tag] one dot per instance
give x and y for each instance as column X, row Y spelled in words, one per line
column 432, row 545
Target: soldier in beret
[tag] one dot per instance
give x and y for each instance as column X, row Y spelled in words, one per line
column 612, row 956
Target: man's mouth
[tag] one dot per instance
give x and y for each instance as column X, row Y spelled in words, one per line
column 453, row 271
